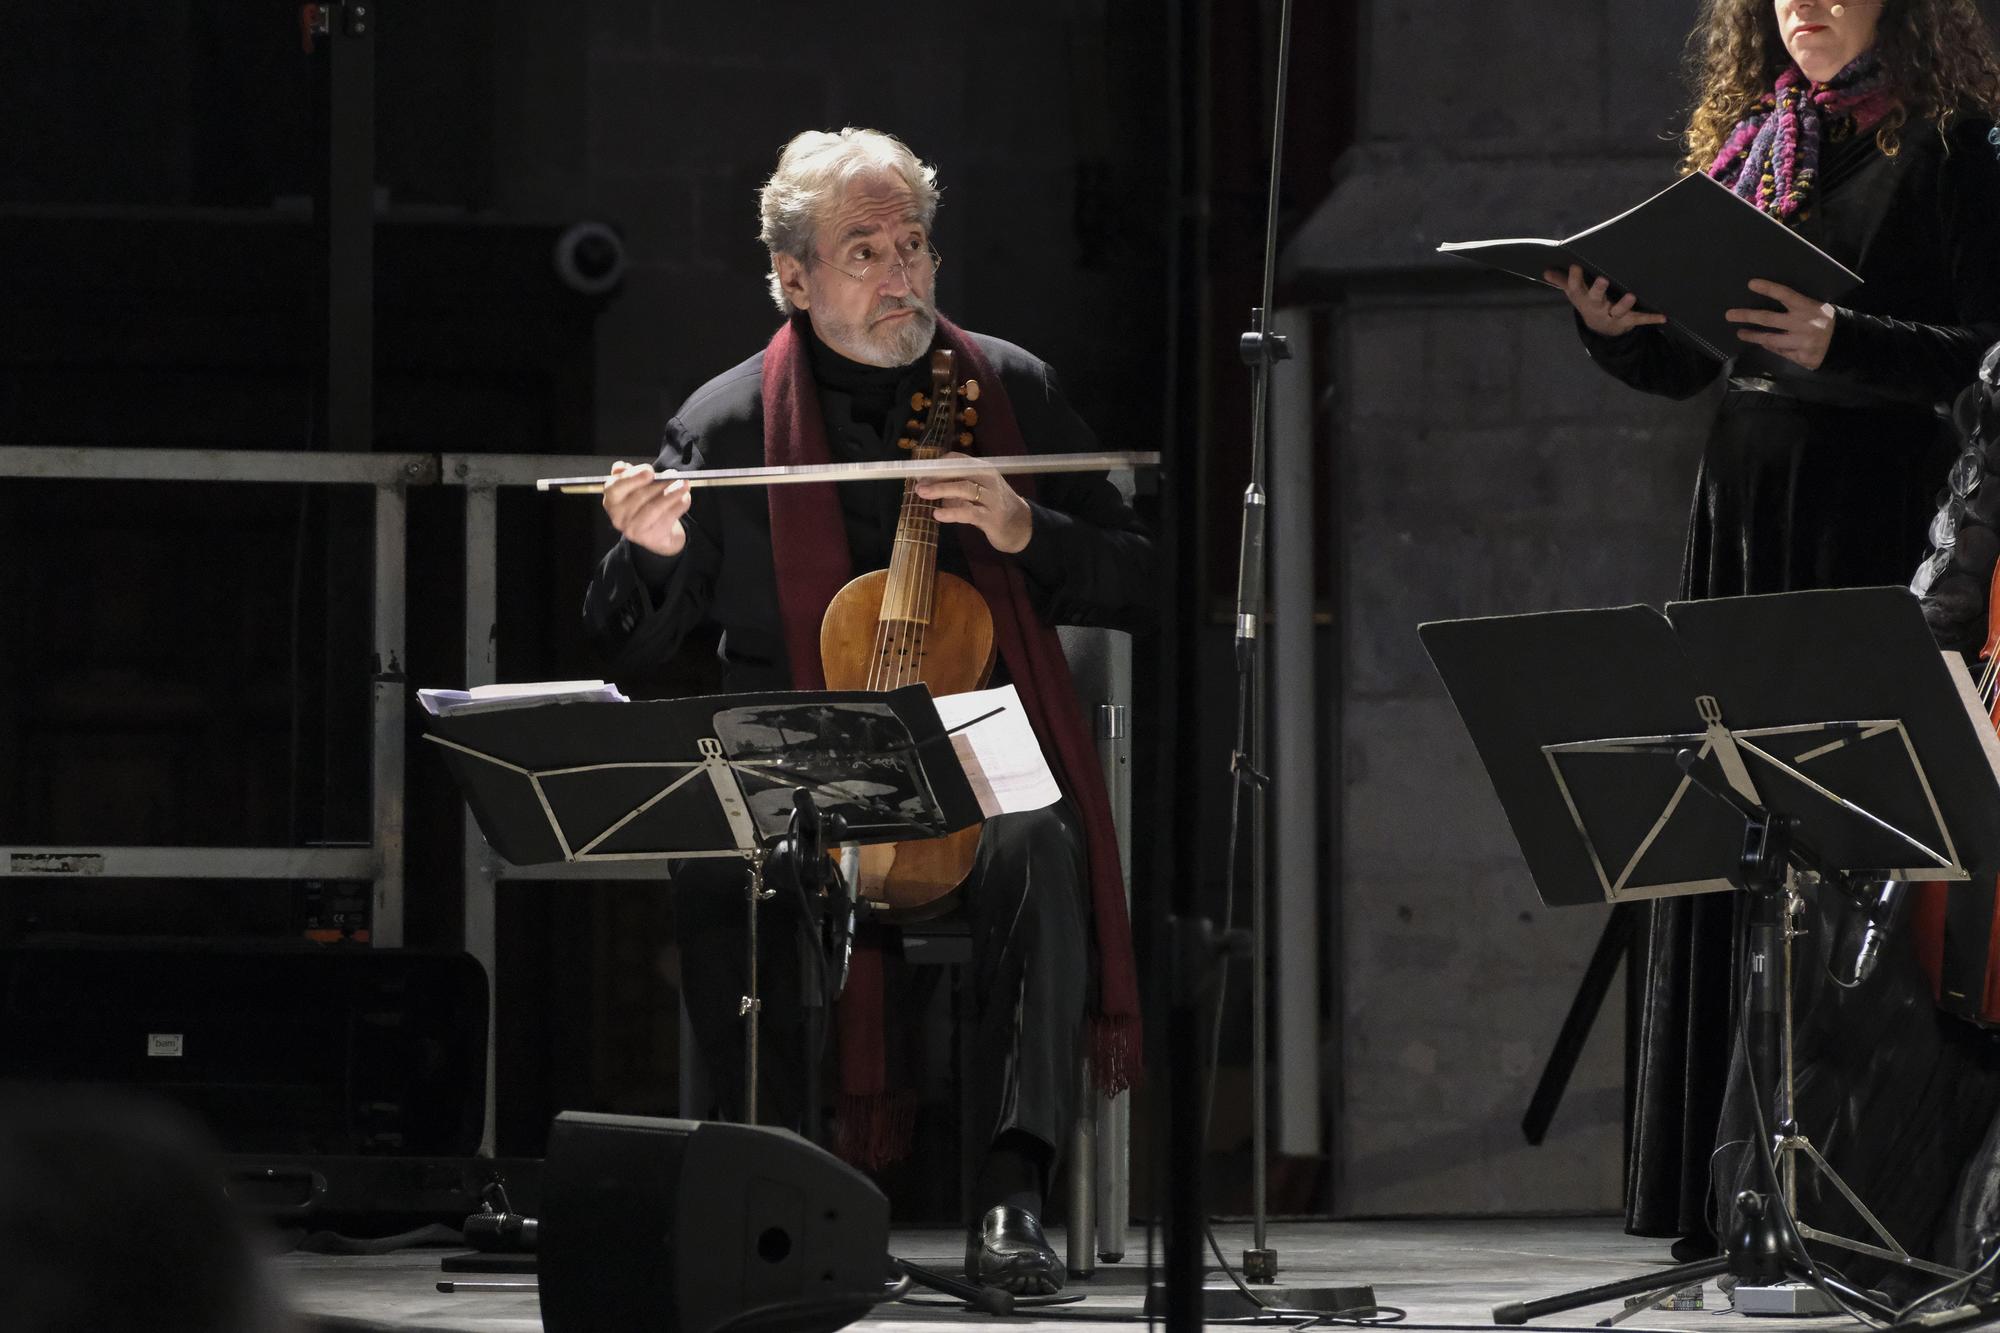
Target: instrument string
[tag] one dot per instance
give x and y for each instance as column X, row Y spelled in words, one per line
column 909, row 594
column 925, row 527
column 879, row 656
column 882, row 671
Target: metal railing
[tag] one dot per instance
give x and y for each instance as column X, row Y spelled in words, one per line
column 381, row 862
column 1101, row 661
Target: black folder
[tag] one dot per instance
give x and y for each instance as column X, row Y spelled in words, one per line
column 1688, row 253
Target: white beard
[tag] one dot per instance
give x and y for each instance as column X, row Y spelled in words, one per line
column 898, row 344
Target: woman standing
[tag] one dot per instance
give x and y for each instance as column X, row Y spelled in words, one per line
column 1869, row 129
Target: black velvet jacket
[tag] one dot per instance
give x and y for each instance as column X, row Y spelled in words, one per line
column 1089, row 562
column 1920, row 228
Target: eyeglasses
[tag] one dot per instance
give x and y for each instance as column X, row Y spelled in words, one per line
column 917, row 263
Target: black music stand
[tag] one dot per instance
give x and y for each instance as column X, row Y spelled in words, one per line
column 1762, row 743
column 718, row 776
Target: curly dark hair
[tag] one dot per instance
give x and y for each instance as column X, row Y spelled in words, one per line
column 1939, row 55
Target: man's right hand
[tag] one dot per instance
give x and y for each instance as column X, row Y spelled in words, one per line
column 1600, row 315
column 646, row 513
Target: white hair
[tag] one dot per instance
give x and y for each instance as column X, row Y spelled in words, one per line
column 812, row 171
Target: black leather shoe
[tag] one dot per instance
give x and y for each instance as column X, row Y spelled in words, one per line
column 1007, row 1249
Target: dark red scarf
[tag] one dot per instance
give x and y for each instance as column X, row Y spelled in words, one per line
column 810, row 555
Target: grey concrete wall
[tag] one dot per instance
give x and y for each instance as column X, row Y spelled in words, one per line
column 1483, row 466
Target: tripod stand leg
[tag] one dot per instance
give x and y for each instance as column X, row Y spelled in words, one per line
column 1969, row 1315
column 1638, row 1305
column 992, row 1300
column 1613, row 946
column 1773, row 1052
column 1854, row 1296
column 1666, row 1280
column 1890, row 1249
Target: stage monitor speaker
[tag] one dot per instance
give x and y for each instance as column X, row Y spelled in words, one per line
column 689, row 1226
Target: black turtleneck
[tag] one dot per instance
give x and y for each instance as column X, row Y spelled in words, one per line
column 863, row 393
column 867, row 409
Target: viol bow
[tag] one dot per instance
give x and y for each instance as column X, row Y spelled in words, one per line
column 872, row 470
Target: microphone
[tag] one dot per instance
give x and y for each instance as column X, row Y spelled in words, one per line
column 1878, row 910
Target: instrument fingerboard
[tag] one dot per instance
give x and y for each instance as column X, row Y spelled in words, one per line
column 910, row 593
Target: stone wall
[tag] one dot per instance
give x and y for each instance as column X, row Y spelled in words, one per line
column 1046, row 120
column 1482, row 466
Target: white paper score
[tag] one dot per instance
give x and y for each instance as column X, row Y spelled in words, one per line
column 1003, row 760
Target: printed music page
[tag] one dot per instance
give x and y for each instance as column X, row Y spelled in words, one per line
column 1003, row 760
column 443, row 703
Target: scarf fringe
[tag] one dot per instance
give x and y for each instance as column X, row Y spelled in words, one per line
column 1115, row 1057
column 875, row 1129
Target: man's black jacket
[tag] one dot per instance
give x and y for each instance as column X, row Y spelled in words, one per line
column 1089, row 562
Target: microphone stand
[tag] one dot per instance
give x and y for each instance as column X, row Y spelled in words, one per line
column 1260, row 349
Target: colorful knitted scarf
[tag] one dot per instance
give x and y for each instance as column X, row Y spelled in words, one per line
column 1771, row 158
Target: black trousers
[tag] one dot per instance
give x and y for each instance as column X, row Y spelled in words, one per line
column 1025, row 903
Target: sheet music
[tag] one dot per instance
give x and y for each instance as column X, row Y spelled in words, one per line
column 441, row 703
column 1003, row 760
column 1982, row 721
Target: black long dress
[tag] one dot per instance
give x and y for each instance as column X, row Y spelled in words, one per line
column 1818, row 479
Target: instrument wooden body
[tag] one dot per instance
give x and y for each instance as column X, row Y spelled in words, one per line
column 909, row 624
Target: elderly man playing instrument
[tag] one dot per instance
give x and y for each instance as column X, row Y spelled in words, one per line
column 847, row 220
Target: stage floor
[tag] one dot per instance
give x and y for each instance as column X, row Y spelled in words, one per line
column 1441, row 1272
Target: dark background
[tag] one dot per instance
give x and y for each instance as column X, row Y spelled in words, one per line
column 186, row 663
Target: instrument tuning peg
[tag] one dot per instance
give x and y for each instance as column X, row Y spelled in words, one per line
column 913, row 424
column 906, row 444
column 971, row 391
column 969, row 417
column 965, row 438
column 918, row 402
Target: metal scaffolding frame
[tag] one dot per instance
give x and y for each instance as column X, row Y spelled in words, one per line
column 1101, row 661
column 381, row 862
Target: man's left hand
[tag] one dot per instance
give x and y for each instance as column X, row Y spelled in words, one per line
column 983, row 498
column 1799, row 333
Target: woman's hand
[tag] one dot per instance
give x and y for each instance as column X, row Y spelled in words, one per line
column 1800, row 332
column 985, row 500
column 646, row 513
column 1601, row 315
